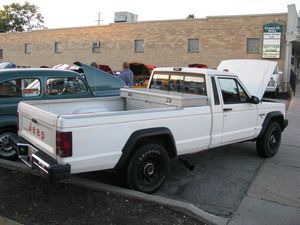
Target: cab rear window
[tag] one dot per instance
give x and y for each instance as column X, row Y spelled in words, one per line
column 183, row 83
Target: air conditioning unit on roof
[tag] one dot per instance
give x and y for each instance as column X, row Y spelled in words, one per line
column 125, row 17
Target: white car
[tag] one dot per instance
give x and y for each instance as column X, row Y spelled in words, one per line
column 274, row 83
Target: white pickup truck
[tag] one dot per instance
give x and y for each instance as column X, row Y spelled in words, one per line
column 183, row 111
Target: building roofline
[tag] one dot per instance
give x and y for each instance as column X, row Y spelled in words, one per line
column 251, row 15
column 149, row 21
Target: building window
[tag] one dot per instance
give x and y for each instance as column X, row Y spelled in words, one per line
column 96, row 46
column 253, row 45
column 193, row 45
column 1, row 53
column 27, row 48
column 138, row 45
column 57, row 47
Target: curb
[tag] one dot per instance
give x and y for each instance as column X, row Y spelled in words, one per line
column 5, row 221
column 184, row 207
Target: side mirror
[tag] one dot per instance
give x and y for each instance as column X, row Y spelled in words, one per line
column 255, row 100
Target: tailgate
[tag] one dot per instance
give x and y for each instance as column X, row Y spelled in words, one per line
column 38, row 127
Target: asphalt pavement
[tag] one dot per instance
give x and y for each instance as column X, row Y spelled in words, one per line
column 274, row 195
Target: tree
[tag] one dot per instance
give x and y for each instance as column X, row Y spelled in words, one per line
column 17, row 17
column 190, row 16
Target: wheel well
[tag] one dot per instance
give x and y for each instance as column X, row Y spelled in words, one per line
column 161, row 136
column 164, row 140
column 275, row 116
column 279, row 120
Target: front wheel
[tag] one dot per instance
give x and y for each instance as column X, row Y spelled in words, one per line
column 268, row 145
column 148, row 168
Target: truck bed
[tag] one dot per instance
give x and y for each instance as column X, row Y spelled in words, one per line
column 100, row 119
column 130, row 99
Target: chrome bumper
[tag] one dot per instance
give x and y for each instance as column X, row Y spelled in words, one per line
column 34, row 158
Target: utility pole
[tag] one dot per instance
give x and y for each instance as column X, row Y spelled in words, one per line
column 99, row 18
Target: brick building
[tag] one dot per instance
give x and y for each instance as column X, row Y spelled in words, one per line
column 162, row 43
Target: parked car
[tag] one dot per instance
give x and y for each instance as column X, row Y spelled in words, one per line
column 7, row 65
column 151, row 68
column 141, row 74
column 198, row 65
column 105, row 68
column 40, row 84
column 98, row 80
column 274, row 83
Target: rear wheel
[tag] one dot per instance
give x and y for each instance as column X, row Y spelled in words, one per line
column 268, row 145
column 148, row 168
column 6, row 150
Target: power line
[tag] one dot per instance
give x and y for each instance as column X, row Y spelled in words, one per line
column 99, row 18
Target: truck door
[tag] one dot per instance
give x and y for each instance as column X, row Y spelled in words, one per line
column 240, row 116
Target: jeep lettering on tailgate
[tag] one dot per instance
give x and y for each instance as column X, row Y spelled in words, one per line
column 36, row 131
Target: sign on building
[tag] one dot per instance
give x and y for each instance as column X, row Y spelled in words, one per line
column 271, row 41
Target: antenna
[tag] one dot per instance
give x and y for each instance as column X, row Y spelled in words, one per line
column 99, row 18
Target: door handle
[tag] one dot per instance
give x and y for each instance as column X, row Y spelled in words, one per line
column 227, row 109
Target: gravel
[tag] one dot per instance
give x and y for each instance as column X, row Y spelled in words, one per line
column 33, row 200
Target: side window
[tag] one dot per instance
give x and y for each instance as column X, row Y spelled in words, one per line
column 195, row 85
column 160, row 82
column 65, row 86
column 232, row 91
column 28, row 87
column 31, row 87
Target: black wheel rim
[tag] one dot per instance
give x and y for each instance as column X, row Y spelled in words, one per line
column 149, row 171
column 5, row 147
column 274, row 140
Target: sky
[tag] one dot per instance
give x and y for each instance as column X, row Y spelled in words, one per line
column 67, row 13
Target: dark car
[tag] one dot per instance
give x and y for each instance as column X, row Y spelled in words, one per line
column 38, row 84
column 7, row 65
column 198, row 65
column 141, row 74
column 105, row 68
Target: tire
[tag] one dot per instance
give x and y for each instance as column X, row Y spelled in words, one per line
column 148, row 168
column 6, row 150
column 268, row 145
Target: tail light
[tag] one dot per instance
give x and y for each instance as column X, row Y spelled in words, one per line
column 64, row 144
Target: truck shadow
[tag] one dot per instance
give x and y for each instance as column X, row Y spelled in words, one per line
column 217, row 184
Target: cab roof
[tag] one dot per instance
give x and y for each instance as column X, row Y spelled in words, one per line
column 209, row 72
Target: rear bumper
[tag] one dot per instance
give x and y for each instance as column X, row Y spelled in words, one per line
column 36, row 159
